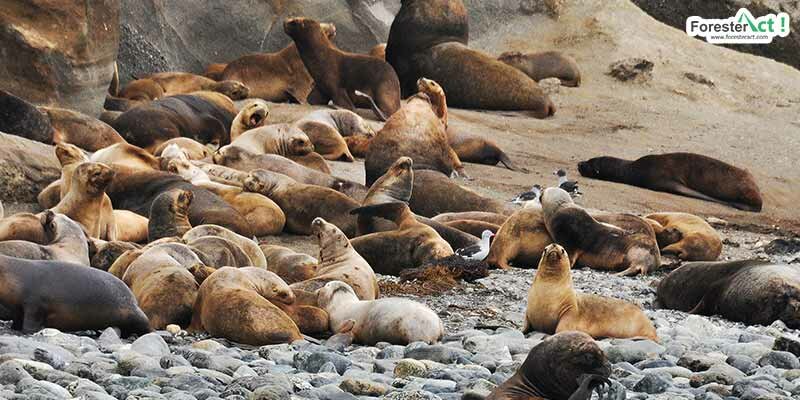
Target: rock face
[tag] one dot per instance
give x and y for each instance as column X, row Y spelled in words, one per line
column 26, row 167
column 785, row 50
column 59, row 53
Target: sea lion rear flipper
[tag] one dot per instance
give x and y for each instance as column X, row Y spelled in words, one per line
column 294, row 97
column 505, row 160
column 686, row 191
column 375, row 107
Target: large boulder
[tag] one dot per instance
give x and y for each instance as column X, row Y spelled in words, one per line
column 59, row 52
column 26, row 167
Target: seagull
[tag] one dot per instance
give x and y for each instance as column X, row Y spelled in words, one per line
column 527, row 197
column 477, row 252
column 568, row 186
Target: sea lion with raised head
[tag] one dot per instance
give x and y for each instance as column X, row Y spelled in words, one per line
column 252, row 115
column 86, row 200
column 686, row 236
column 169, row 215
column 547, row 64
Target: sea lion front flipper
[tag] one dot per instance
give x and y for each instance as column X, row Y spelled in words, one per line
column 32, row 320
column 347, row 327
column 683, row 190
column 588, row 384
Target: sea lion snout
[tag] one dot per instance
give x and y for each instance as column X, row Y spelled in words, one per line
column 553, row 252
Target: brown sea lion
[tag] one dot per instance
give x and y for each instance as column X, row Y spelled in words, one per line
column 686, row 236
column 65, row 242
column 554, row 306
column 686, row 174
column 220, row 252
column 473, row 227
column 547, row 64
column 247, row 245
column 326, row 140
column 277, row 77
column 184, row 83
column 196, row 116
column 214, row 71
column 86, row 200
column 475, row 149
column 68, row 297
column 418, row 131
column 378, row 51
column 140, row 91
column 338, row 261
column 357, row 133
column 127, row 155
column 189, row 147
column 163, row 286
column 88, row 133
column 392, row 320
column 614, row 242
column 237, row 304
column 291, row 266
column 313, row 161
column 253, row 115
column 434, row 193
column 341, row 76
column 282, row 139
column 20, row 118
column 103, row 254
column 568, row 365
column 23, row 226
column 520, row 240
column 303, row 203
column 169, row 215
column 488, row 217
column 69, row 156
column 750, row 291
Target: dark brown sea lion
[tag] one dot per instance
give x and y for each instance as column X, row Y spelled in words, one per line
column 103, row 254
column 65, row 242
column 68, row 297
column 341, row 76
column 686, row 236
column 554, row 305
column 434, row 193
column 686, row 174
column 327, row 141
column 547, row 64
column 750, row 291
column 80, row 129
column 169, row 215
column 20, row 118
column 568, row 365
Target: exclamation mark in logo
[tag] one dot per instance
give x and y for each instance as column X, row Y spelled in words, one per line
column 783, row 23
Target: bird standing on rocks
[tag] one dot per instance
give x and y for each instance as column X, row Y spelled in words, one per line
column 567, row 185
column 477, row 252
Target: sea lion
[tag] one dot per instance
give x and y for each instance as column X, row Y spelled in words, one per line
column 23, row 226
column 72, row 127
column 473, row 227
column 276, row 77
column 434, row 193
column 378, row 51
column 220, row 252
column 547, row 64
column 87, row 203
column 341, row 76
column 392, row 320
column 262, row 214
column 251, row 116
column 313, row 161
column 237, row 304
column 169, row 215
column 69, row 156
column 358, row 145
column 303, row 203
column 249, row 247
column 345, row 122
column 754, row 292
column 686, row 236
column 127, row 155
column 246, row 161
column 326, row 140
column 630, row 248
column 554, row 306
column 417, row 130
column 338, row 261
column 520, row 240
column 568, row 365
column 686, row 174
column 291, row 266
column 103, row 254
column 140, row 91
column 174, row 83
column 163, row 286
column 20, row 118
column 478, row 150
column 488, row 217
column 281, row 139
column 68, row 297
column 202, row 117
column 189, row 147
column 65, row 242
column 214, row 71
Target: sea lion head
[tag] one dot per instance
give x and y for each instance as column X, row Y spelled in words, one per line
column 270, row 285
column 299, row 144
column 173, row 151
column 510, row 56
column 185, row 170
column 263, row 181
column 255, row 114
column 554, row 198
column 328, row 29
column 596, row 167
column 230, row 154
column 234, row 89
column 430, row 87
column 554, row 257
column 333, row 289
column 394, row 186
column 330, row 238
column 69, row 154
column 182, row 199
column 95, row 176
column 300, row 27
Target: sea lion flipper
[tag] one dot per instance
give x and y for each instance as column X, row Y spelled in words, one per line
column 375, row 107
column 348, row 326
column 506, row 161
column 378, row 210
column 588, row 384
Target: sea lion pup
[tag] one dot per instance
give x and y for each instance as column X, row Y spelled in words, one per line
column 169, row 215
column 338, row 261
column 251, row 116
column 199, row 116
column 303, row 203
column 65, row 242
column 184, row 83
column 478, row 150
column 220, row 252
column 566, row 365
column 249, row 247
column 341, row 76
column 520, row 240
column 262, row 214
column 547, row 64
column 240, row 159
column 418, row 131
column 554, row 306
column 86, row 201
column 237, row 304
column 434, row 193
column 606, row 245
column 88, row 133
column 163, row 286
column 378, row 51
column 326, row 140
column 291, row 266
column 214, row 71
column 276, row 77
column 281, row 139
column 686, row 236
column 20, row 118
column 392, row 320
column 754, row 292
column 68, row 297
column 192, row 149
column 686, row 174
column 488, row 217
column 127, row 155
